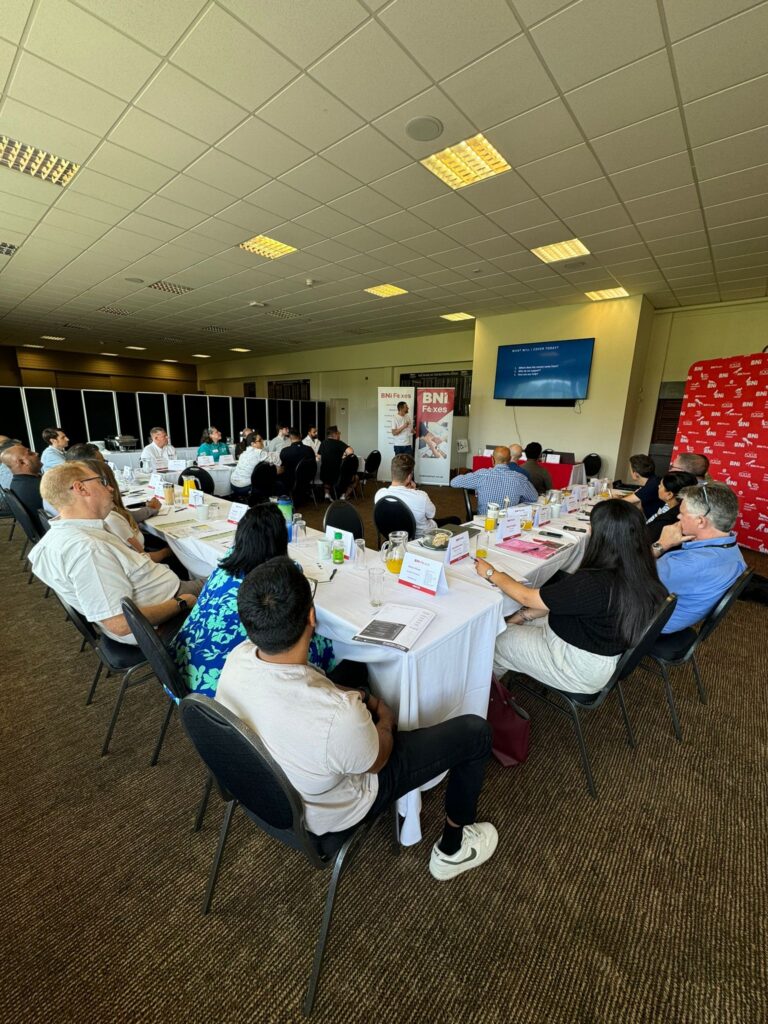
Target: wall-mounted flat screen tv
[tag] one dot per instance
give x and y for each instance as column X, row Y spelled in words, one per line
column 545, row 371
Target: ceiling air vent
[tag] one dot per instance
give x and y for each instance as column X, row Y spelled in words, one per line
column 114, row 310
column 216, row 330
column 7, row 248
column 282, row 314
column 169, row 286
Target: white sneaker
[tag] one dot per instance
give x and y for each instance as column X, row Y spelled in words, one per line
column 478, row 843
column 328, row 497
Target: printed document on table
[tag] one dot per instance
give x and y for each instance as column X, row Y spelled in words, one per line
column 395, row 625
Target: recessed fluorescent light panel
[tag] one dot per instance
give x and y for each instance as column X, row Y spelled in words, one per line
column 137, row 348
column 33, row 346
column 270, row 248
column 561, row 251
column 467, row 162
column 51, row 337
column 386, row 291
column 199, row 355
column 19, row 156
column 607, row 293
column 239, row 350
column 170, row 360
column 456, row 316
column 109, row 353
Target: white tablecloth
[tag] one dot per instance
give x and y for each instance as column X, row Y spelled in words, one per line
column 446, row 674
column 221, row 474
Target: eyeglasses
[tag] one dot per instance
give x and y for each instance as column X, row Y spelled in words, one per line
column 706, row 500
column 102, row 480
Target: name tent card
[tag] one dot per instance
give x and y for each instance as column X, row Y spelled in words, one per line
column 205, row 460
column 236, row 512
column 423, row 574
column 543, row 515
column 458, row 548
column 571, row 503
column 196, row 498
column 227, row 460
column 155, row 481
column 177, row 465
column 553, row 457
column 510, row 526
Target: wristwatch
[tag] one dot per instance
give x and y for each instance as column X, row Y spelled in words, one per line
column 657, row 547
column 489, row 573
column 183, row 606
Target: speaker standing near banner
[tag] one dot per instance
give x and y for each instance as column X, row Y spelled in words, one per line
column 393, row 418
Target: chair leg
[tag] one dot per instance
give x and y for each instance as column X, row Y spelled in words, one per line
column 24, row 550
column 29, row 578
column 203, row 803
column 13, row 527
column 125, row 685
column 627, row 724
column 163, row 729
column 47, row 593
column 214, row 874
column 671, row 703
column 583, row 753
column 92, row 690
column 396, row 845
column 82, row 647
column 703, row 695
column 325, row 926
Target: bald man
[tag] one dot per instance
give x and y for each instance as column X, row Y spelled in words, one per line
column 498, row 483
column 25, row 484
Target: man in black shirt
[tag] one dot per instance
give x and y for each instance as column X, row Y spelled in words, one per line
column 642, row 469
column 25, row 466
column 332, row 452
column 292, row 457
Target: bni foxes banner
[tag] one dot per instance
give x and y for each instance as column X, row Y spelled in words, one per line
column 396, row 425
column 724, row 417
column 434, row 434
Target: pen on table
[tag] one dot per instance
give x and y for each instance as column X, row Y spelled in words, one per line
column 332, row 575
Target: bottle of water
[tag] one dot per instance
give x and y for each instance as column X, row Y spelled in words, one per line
column 337, row 550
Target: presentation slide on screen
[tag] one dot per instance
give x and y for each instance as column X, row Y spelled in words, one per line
column 544, row 370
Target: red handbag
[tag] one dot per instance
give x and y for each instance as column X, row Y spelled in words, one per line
column 511, row 726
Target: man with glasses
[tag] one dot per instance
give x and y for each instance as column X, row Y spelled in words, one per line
column 701, row 559
column 92, row 569
column 691, row 462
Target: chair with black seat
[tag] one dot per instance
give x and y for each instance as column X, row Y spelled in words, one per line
column 201, row 476
column 574, row 703
column 469, row 512
column 45, row 521
column 592, row 464
column 349, row 466
column 27, row 521
column 673, row 649
column 303, row 484
column 263, row 482
column 390, row 514
column 159, row 659
column 246, row 775
column 370, row 470
column 340, row 515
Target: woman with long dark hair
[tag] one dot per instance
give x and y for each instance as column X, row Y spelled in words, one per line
column 211, row 443
column 571, row 633
column 670, row 486
column 213, row 628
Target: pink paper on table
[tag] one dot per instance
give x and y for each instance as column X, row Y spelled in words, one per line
column 536, row 549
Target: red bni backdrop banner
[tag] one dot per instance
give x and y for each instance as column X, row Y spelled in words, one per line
column 724, row 417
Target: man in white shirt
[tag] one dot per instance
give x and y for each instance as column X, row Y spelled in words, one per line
column 336, row 745
column 403, row 486
column 312, row 440
column 402, row 431
column 92, row 569
column 280, row 440
column 159, row 447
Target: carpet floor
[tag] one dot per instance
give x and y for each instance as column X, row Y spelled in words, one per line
column 647, row 905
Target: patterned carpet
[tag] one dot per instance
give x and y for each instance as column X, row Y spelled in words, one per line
column 648, row 905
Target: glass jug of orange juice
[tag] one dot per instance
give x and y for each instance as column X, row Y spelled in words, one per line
column 393, row 551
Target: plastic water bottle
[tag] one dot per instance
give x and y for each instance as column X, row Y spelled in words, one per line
column 337, row 550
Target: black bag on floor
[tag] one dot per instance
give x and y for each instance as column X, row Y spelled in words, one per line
column 756, row 590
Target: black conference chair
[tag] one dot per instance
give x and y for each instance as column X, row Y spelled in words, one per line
column 674, row 649
column 263, row 482
column 592, row 464
column 28, row 523
column 343, row 516
column 160, row 661
column 469, row 511
column 347, row 473
column 247, row 775
column 370, row 470
column 303, row 484
column 201, row 476
column 389, row 514
column 590, row 702
column 5, row 513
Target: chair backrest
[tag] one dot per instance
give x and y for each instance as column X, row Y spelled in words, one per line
column 154, row 650
column 469, row 512
column 343, row 516
column 632, row 657
column 23, row 517
column 202, row 476
column 305, row 474
column 723, row 606
column 85, row 628
column 263, row 480
column 245, row 771
column 372, row 464
column 44, row 519
column 349, row 467
column 592, row 464
column 389, row 514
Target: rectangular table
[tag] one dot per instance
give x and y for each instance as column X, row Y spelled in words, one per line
column 448, row 671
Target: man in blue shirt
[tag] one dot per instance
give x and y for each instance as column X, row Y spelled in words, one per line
column 56, row 442
column 701, row 559
column 497, row 483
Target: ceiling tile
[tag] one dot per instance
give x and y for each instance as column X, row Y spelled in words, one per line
column 109, row 60
column 680, row 259
column 664, row 204
column 597, row 220
column 366, row 154
column 434, row 103
column 145, row 134
column 613, row 239
column 494, row 248
column 169, row 212
column 401, row 225
column 262, row 146
column 306, row 111
column 363, row 239
column 653, row 139
column 326, row 221
column 232, row 60
column 175, row 97
column 410, row 186
column 39, row 129
column 331, row 250
column 562, row 170
column 370, row 72
column 21, row 207
column 729, row 112
column 321, row 180
column 90, row 183
column 505, row 83
column 430, row 242
column 448, row 209
column 653, row 177
column 364, row 205
column 591, row 195
column 496, row 193
column 589, row 39
column 157, row 26
column 734, row 154
column 735, row 185
column 143, row 225
column 677, row 224
column 756, row 228
column 633, row 93
column 542, row 131
column 543, row 234
column 251, row 219
column 225, row 172
column 476, row 229
column 15, row 14
column 7, row 56
column 116, row 162
column 196, row 194
column 725, row 55
column 523, row 215
column 678, row 243
column 61, row 95
column 684, row 17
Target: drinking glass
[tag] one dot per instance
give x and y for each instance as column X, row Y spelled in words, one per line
column 376, row 585
column 360, row 554
column 299, row 530
column 527, row 524
column 483, row 542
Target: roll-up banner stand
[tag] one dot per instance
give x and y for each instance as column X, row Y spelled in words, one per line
column 389, row 420
column 434, row 435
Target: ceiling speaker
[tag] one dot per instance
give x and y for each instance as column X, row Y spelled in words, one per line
column 424, row 129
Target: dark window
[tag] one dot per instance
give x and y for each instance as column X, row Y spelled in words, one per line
column 196, row 408
column 100, row 414
column 14, row 421
column 151, row 413
column 221, row 417
column 128, row 416
column 41, row 414
column 256, row 415
column 71, row 414
column 176, row 431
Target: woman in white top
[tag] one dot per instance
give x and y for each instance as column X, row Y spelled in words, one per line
column 248, row 461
